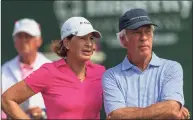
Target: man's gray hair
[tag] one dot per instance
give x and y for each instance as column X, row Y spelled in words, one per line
column 123, row 34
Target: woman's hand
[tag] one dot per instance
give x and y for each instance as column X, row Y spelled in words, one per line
column 35, row 112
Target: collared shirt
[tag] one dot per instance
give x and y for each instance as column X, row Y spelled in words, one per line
column 3, row 115
column 25, row 69
column 125, row 85
column 65, row 96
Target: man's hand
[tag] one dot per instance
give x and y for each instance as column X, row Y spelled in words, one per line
column 182, row 114
column 185, row 113
column 35, row 112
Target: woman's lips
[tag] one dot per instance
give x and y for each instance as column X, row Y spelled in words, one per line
column 87, row 52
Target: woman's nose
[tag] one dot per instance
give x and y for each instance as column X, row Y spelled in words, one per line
column 89, row 42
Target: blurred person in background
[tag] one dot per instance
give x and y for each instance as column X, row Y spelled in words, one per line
column 143, row 86
column 71, row 87
column 27, row 40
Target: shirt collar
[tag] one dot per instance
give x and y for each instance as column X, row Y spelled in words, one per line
column 25, row 66
column 62, row 62
column 155, row 61
column 39, row 60
column 126, row 64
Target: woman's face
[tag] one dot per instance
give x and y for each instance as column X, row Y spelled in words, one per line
column 80, row 47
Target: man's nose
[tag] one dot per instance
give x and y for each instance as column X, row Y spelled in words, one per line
column 144, row 36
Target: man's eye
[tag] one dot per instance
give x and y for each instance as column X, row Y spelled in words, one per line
column 137, row 32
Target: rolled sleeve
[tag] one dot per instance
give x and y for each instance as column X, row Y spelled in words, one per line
column 113, row 97
column 173, row 84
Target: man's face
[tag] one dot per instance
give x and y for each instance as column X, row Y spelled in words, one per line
column 26, row 44
column 140, row 41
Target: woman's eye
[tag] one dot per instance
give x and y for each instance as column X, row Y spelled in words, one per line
column 92, row 38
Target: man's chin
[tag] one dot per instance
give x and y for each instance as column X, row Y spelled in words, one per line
column 25, row 53
column 145, row 53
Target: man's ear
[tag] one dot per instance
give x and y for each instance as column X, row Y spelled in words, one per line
column 124, row 41
column 39, row 41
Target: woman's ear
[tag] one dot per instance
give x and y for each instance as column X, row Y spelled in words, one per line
column 66, row 43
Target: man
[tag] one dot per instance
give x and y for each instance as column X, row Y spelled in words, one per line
column 143, row 86
column 27, row 40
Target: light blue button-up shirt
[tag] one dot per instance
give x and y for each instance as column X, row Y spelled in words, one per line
column 125, row 85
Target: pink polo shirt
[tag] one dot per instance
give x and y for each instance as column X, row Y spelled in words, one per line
column 65, row 96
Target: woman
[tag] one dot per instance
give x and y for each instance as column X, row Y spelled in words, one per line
column 71, row 87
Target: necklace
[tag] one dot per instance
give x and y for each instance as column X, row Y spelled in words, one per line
column 82, row 78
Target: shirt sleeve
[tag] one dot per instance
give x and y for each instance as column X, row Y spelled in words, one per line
column 173, row 84
column 4, row 83
column 6, row 79
column 39, row 80
column 113, row 97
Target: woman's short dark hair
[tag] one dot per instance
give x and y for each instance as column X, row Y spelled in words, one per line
column 59, row 48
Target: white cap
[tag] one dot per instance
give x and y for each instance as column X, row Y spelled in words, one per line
column 78, row 26
column 26, row 25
